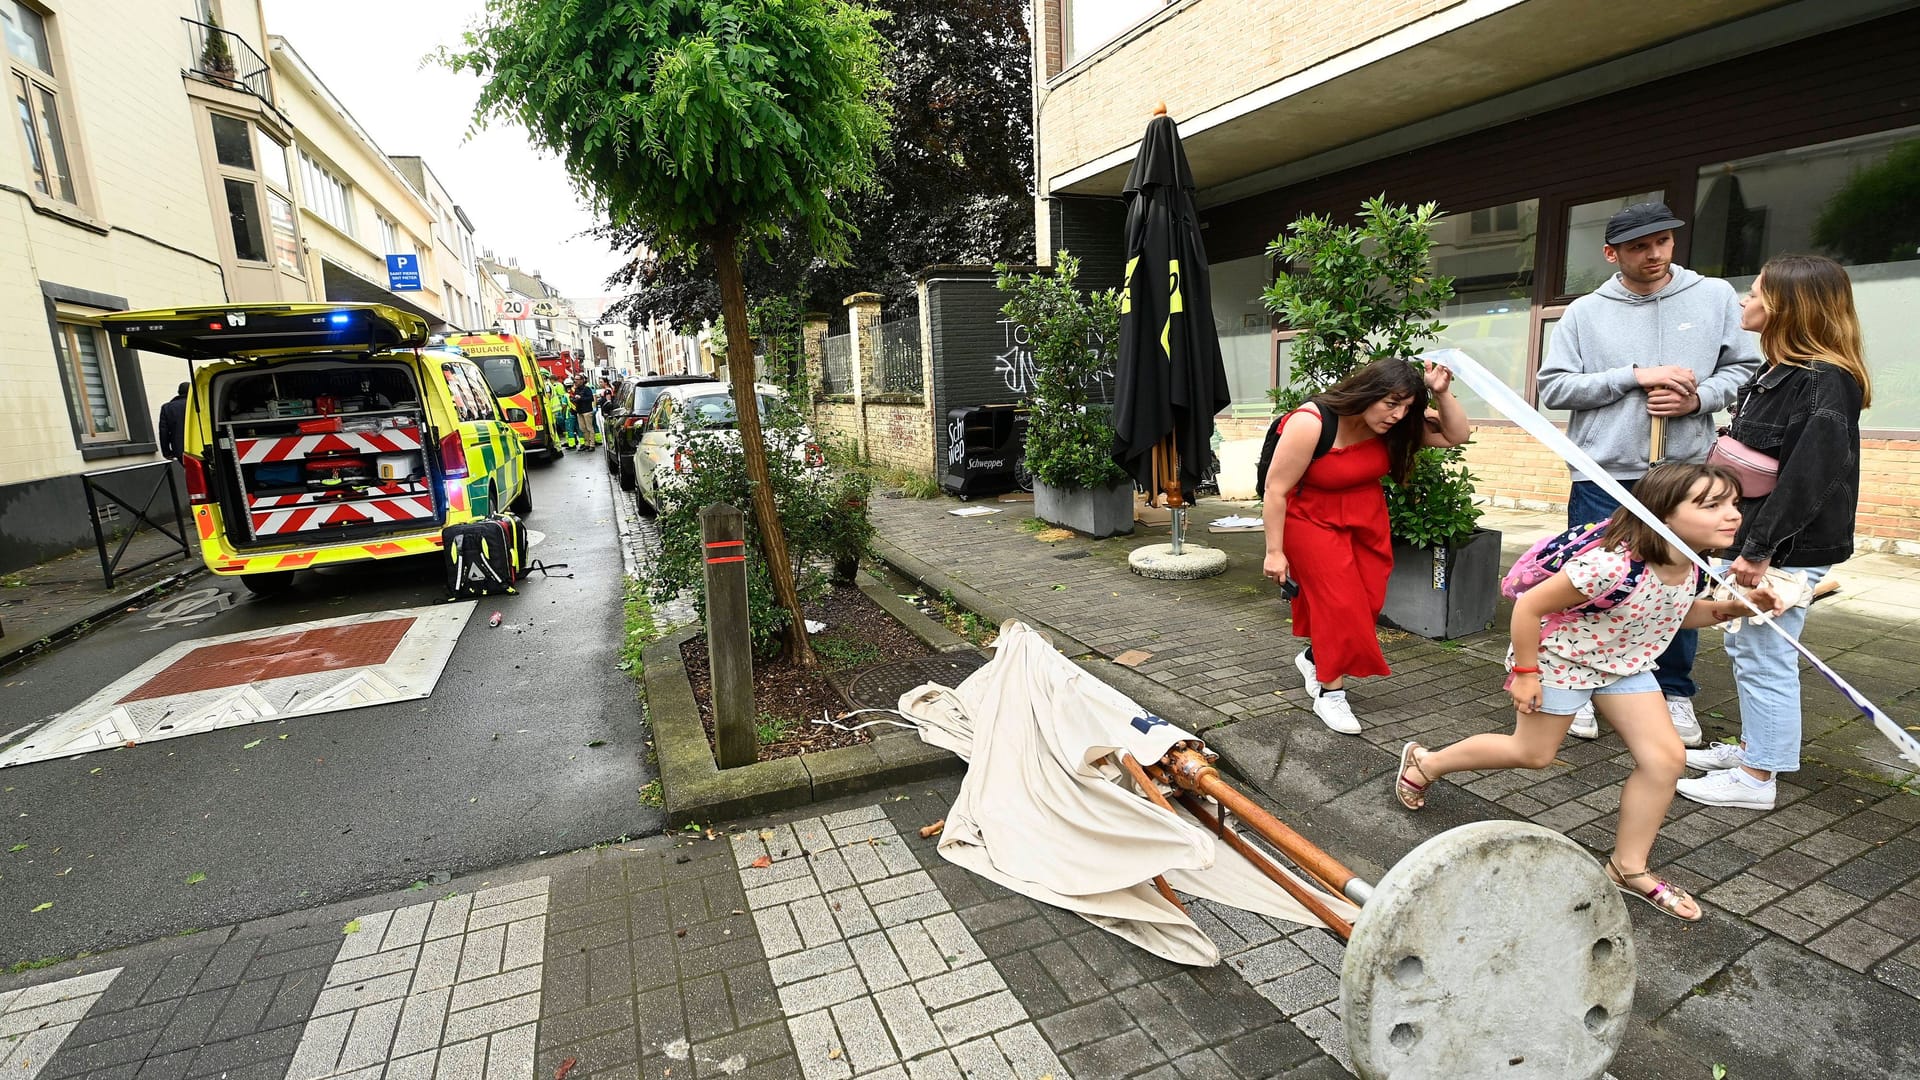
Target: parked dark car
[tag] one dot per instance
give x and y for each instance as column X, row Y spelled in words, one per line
column 631, row 407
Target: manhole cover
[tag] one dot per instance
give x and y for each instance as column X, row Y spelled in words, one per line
column 881, row 687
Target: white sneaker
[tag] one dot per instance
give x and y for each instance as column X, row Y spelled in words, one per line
column 1714, row 758
column 1332, row 709
column 1585, row 724
column 1729, row 787
column 1680, row 709
column 1305, row 667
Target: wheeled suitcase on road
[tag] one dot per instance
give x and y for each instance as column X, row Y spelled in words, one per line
column 485, row 557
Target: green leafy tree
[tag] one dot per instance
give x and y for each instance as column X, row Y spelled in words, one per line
column 952, row 186
column 712, row 126
column 1358, row 292
column 1069, row 439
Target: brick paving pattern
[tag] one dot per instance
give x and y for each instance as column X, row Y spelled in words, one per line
column 35, row 1021
column 1834, row 870
column 443, row 990
column 876, row 974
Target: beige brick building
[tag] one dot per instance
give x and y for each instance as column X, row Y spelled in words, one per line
column 1529, row 121
column 138, row 172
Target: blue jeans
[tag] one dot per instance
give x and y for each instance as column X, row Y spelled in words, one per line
column 1766, row 672
column 1586, row 504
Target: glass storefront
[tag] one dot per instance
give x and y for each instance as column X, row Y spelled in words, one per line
column 1489, row 253
column 1854, row 200
column 1246, row 336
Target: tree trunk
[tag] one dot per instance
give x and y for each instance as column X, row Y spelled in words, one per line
column 773, row 538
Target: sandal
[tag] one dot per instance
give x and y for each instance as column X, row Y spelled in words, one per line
column 1411, row 795
column 1665, row 896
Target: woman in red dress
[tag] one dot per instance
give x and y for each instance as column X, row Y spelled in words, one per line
column 1327, row 515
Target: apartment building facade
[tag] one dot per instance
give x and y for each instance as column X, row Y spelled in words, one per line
column 146, row 167
column 1769, row 126
column 355, row 205
column 455, row 260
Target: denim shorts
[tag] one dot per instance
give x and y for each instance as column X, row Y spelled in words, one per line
column 1558, row 701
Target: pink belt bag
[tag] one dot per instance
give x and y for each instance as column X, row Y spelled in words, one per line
column 1757, row 472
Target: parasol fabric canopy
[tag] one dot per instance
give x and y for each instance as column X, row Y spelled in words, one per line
column 1045, row 812
column 1170, row 380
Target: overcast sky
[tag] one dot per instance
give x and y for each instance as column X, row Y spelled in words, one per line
column 368, row 52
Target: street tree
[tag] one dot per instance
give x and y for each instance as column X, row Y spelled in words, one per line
column 952, row 185
column 709, row 125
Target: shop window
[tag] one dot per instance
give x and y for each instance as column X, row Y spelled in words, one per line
column 1854, row 200
column 1489, row 253
column 1246, row 334
column 37, row 102
column 1585, row 266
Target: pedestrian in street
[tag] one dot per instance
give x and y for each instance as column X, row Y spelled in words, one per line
column 1656, row 340
column 1567, row 652
column 583, row 411
column 560, row 409
column 1803, row 411
column 173, row 425
column 1326, row 515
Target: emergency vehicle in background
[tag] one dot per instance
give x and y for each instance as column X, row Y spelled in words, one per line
column 509, row 366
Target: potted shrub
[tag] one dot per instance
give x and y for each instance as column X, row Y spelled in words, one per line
column 216, row 56
column 1069, row 443
column 1356, row 293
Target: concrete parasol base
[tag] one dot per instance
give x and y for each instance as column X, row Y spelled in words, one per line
column 1159, row 561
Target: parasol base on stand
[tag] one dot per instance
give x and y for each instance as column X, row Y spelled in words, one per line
column 1191, row 564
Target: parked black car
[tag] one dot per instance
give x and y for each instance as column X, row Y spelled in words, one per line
column 631, row 407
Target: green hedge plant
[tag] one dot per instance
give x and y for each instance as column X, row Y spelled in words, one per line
column 825, row 514
column 1069, row 437
column 1358, row 292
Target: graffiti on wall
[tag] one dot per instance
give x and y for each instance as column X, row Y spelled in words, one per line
column 1014, row 364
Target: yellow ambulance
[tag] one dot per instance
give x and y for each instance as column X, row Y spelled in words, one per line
column 508, row 364
column 319, row 434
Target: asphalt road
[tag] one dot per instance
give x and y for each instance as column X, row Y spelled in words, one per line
column 493, row 768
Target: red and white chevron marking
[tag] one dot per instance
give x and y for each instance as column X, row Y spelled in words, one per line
column 289, row 448
column 275, row 502
column 304, row 519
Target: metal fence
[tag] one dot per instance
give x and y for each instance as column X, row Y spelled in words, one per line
column 836, row 376
column 900, row 356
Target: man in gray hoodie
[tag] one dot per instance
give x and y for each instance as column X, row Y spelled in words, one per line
column 1656, row 340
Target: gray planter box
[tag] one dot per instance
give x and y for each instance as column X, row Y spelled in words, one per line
column 1444, row 592
column 1097, row 512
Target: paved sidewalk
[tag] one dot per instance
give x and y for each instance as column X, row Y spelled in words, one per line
column 60, row 596
column 855, row 951
column 1809, row 960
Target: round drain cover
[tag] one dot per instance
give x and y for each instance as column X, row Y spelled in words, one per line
column 881, row 687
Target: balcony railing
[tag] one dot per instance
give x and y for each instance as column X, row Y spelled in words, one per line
column 240, row 68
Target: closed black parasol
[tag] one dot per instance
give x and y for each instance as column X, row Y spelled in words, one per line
column 1170, row 380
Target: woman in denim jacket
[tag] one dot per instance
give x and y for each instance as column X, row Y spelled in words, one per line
column 1803, row 408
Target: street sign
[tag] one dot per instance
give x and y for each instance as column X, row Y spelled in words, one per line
column 403, row 273
column 522, row 308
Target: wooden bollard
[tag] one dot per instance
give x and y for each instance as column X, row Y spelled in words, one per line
column 729, row 645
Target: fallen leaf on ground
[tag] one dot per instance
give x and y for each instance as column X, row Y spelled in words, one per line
column 196, row 878
column 833, row 1054
column 42, row 907
column 251, row 745
column 16, row 847
column 351, row 928
column 761, row 863
column 766, row 834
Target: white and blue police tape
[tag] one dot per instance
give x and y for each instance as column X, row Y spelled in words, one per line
column 1513, row 407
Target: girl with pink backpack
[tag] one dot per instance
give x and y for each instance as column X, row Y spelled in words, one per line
column 1590, row 630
